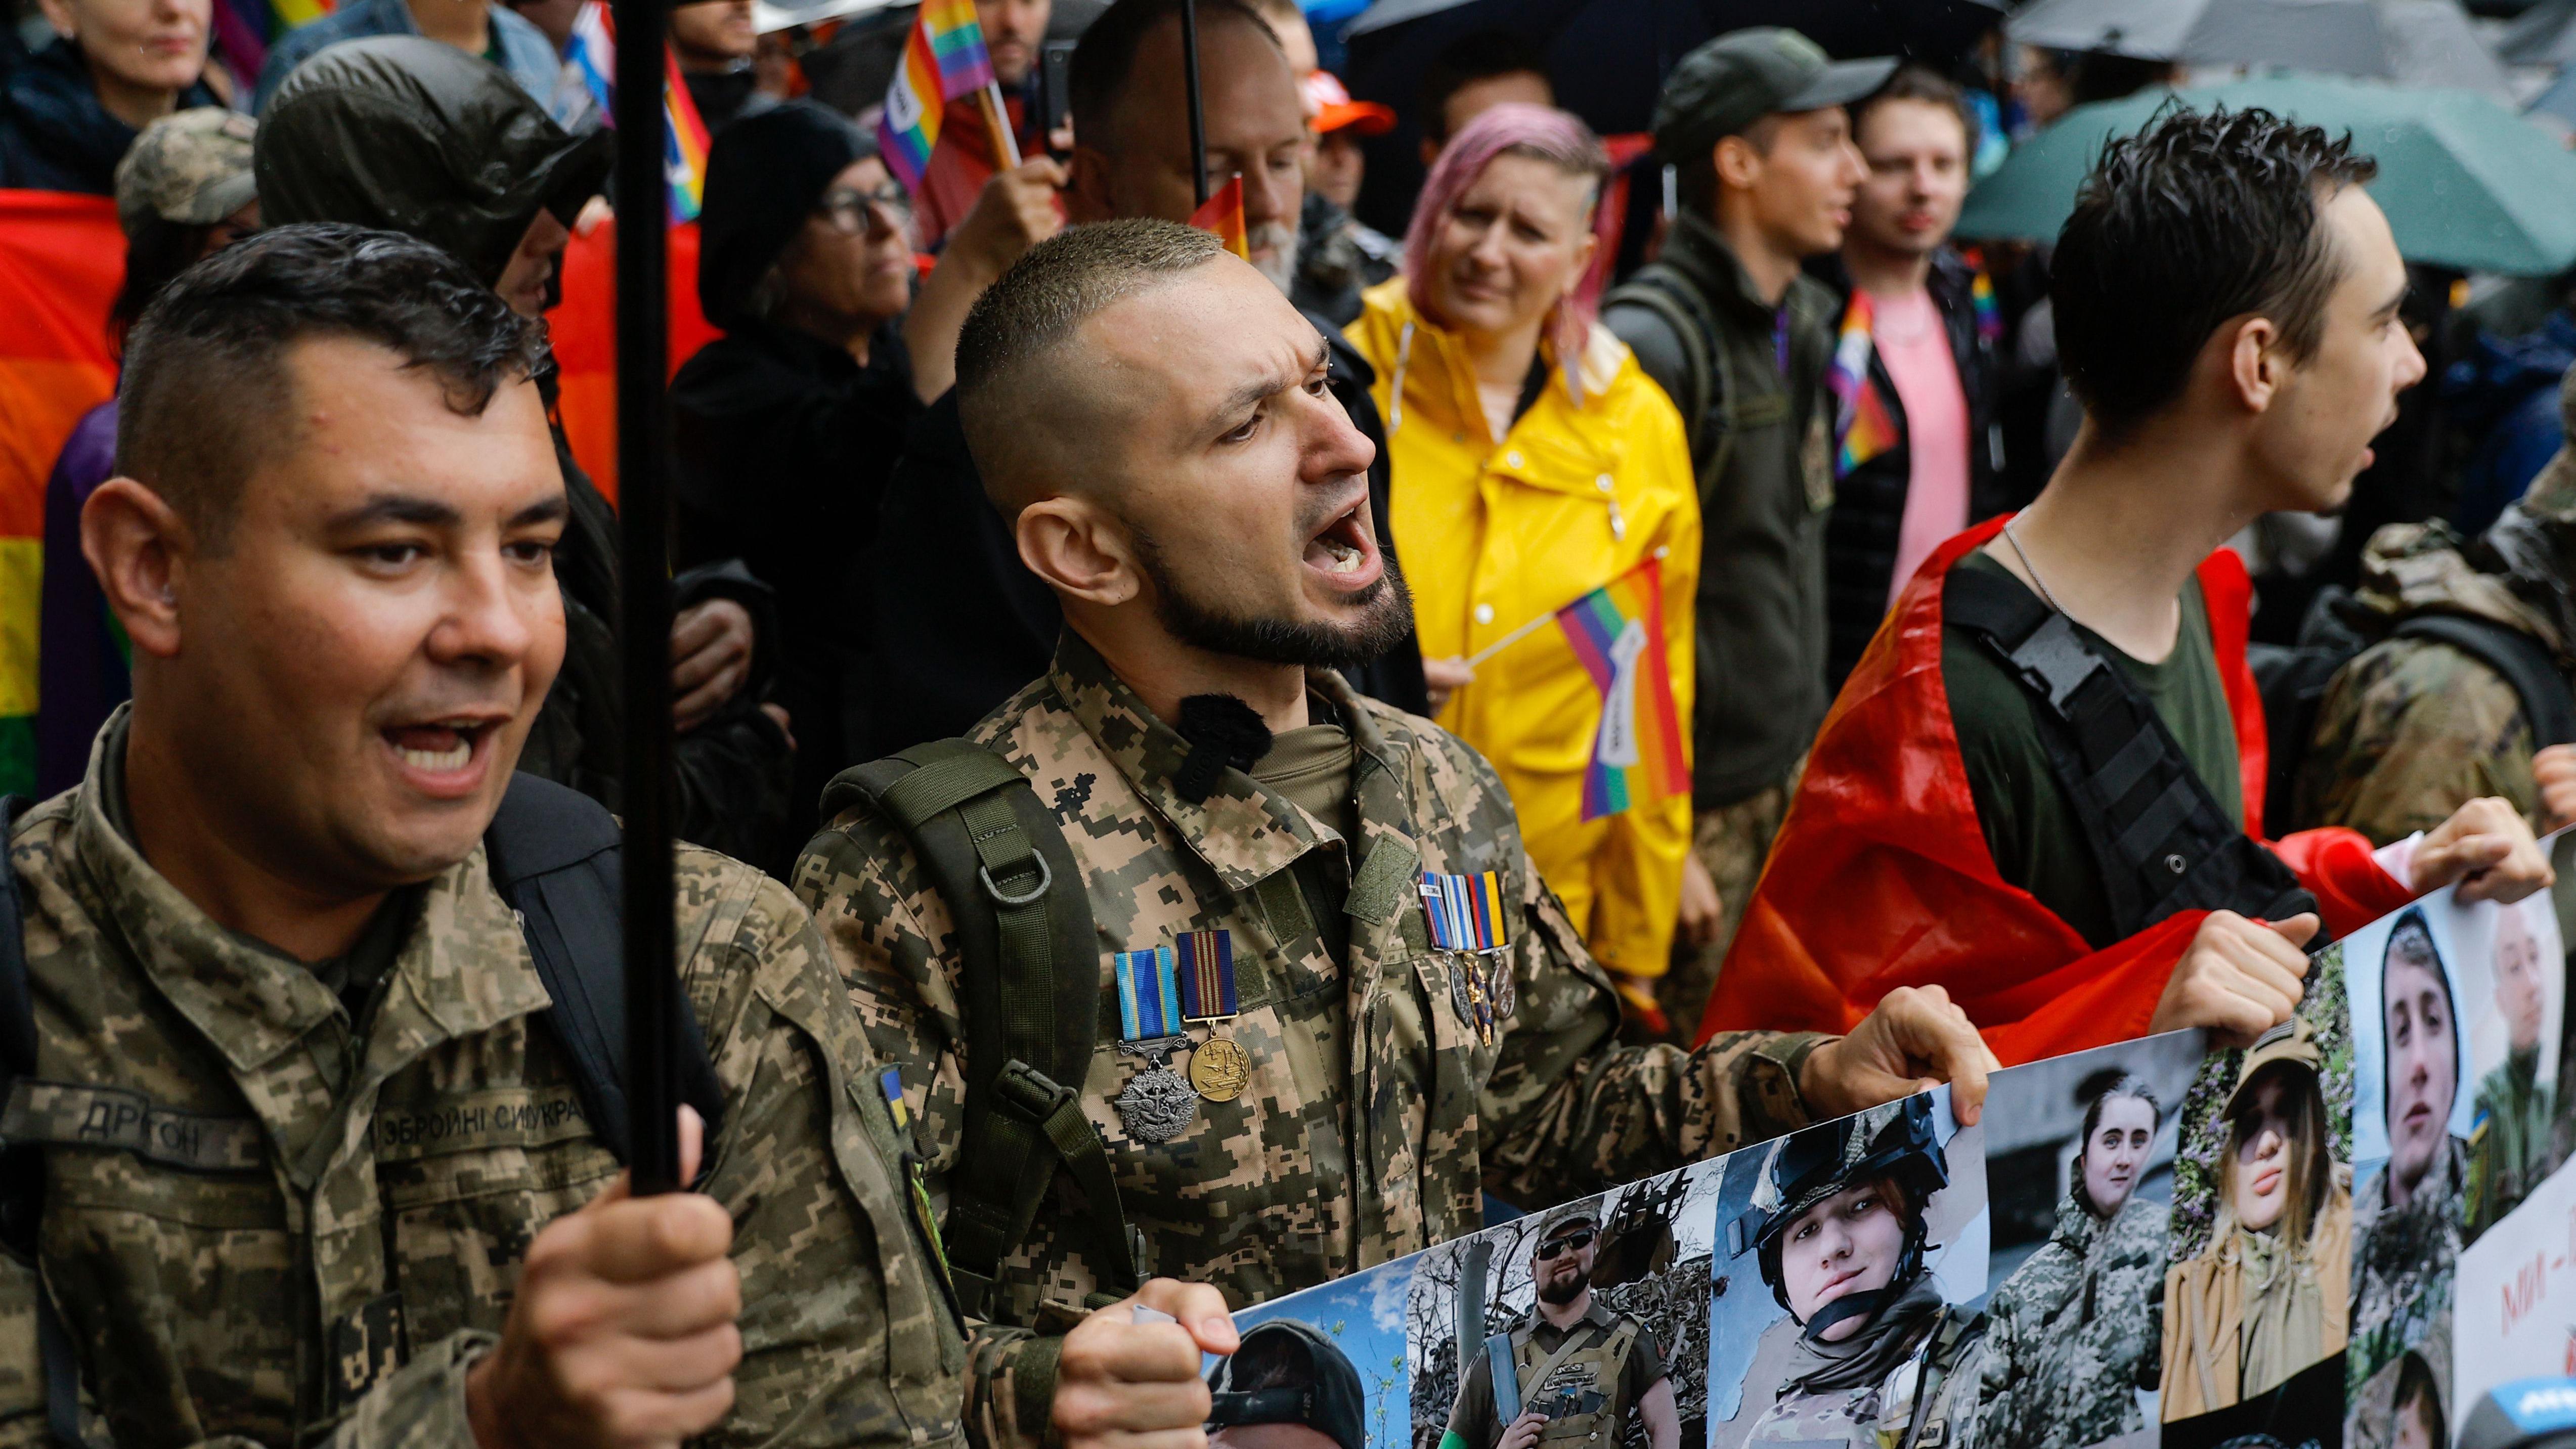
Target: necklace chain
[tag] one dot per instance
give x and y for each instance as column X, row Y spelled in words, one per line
column 2032, row 570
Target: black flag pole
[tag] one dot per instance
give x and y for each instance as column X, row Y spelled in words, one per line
column 644, row 605
column 1190, row 84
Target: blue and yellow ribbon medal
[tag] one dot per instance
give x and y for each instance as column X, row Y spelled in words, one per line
column 1465, row 915
column 1156, row 1105
column 1219, row 1069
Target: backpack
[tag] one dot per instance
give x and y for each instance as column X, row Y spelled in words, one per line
column 1705, row 383
column 555, row 857
column 1030, row 995
column 2293, row 681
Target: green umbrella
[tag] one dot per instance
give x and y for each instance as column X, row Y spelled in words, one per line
column 2465, row 182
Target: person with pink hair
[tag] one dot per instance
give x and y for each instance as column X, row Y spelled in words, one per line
column 1535, row 463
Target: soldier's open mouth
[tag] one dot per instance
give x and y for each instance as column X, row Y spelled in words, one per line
column 1343, row 550
column 439, row 747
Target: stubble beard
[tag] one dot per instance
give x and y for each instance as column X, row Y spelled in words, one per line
column 1386, row 616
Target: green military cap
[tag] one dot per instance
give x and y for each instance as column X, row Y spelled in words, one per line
column 191, row 168
column 1744, row 75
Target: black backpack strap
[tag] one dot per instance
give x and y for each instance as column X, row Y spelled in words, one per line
column 1030, row 995
column 22, row 1168
column 1680, row 307
column 2159, row 839
column 2530, row 666
column 554, row 857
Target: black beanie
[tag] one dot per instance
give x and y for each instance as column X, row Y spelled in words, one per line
column 766, row 173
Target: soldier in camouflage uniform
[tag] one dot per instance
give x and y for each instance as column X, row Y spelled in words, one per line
column 1152, row 416
column 314, row 1161
column 2077, row 1329
column 1840, row 1220
column 2406, row 1220
column 1583, row 1367
column 2510, row 1147
column 2412, row 729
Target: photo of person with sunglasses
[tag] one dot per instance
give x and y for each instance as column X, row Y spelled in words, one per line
column 1583, row 1367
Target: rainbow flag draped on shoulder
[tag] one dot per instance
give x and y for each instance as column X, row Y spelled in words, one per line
column 1617, row 631
column 1863, row 427
column 943, row 59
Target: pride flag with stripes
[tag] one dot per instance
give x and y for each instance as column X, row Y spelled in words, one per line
column 1863, row 427
column 684, row 133
column 1223, row 214
column 1617, row 631
column 943, row 59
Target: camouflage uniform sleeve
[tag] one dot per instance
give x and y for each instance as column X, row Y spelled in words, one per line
column 893, row 946
column 1573, row 1111
column 2408, row 733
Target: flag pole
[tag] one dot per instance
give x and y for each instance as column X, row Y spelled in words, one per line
column 997, row 120
column 1534, row 625
column 1190, row 84
column 644, row 604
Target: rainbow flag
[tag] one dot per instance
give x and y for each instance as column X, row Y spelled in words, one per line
column 1617, row 631
column 944, row 59
column 1863, row 427
column 1223, row 214
column 684, row 133
column 1981, row 301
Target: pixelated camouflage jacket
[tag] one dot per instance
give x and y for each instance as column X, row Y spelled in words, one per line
column 2403, row 1262
column 1891, row 1408
column 2509, row 1143
column 237, row 1192
column 1376, row 1113
column 2412, row 729
column 2076, row 1330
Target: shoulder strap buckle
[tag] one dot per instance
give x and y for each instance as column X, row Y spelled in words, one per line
column 2056, row 662
column 1030, row 1092
column 1001, row 897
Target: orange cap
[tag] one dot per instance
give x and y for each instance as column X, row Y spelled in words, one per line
column 1330, row 108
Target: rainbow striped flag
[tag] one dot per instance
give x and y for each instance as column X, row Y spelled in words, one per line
column 1617, row 631
column 944, row 59
column 684, row 143
column 1863, row 427
column 1223, row 214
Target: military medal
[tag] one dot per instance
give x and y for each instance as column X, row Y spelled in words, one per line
column 1219, row 1068
column 1156, row 1105
column 1465, row 915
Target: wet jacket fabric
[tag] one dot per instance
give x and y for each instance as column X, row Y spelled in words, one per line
column 329, row 1187
column 1869, row 501
column 1760, row 635
column 518, row 46
column 1495, row 535
column 1376, row 1113
column 54, row 134
column 1881, row 876
column 2412, row 729
column 2076, row 1330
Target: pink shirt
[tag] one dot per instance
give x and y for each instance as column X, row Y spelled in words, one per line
column 1915, row 345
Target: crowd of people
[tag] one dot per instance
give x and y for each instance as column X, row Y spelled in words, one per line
column 1203, row 770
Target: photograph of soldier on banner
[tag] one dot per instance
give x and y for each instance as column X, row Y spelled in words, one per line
column 1581, row 1327
column 2079, row 1183
column 1854, row 1253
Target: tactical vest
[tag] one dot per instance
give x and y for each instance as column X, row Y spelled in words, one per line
column 1577, row 1386
column 2160, row 841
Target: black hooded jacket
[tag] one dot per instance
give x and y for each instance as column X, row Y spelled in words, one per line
column 54, row 134
column 413, row 135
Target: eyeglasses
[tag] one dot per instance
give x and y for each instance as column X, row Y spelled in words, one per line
column 856, row 213
column 1575, row 1241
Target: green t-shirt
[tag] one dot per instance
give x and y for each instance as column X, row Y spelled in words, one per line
column 2029, row 823
column 1313, row 767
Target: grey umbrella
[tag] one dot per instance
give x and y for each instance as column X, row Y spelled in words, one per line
column 2340, row 37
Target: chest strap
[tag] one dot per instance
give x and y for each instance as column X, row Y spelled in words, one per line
column 2159, row 840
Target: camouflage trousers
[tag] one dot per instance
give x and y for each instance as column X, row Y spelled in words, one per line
column 1731, row 842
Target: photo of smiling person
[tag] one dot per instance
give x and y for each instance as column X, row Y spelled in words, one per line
column 2407, row 1217
column 2269, row 1296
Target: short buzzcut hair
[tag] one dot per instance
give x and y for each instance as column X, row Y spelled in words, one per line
column 1105, row 58
column 2200, row 217
column 206, row 397
column 1015, row 330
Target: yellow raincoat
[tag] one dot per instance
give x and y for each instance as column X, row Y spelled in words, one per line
column 1495, row 535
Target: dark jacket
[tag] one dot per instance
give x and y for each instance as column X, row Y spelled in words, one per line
column 1759, row 444
column 54, row 134
column 1336, row 259
column 1869, row 501
column 959, row 623
column 416, row 136
column 784, row 446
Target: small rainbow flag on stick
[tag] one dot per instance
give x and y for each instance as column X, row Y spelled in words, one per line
column 593, row 52
column 944, row 59
column 1223, row 214
column 1617, row 630
column 1863, row 427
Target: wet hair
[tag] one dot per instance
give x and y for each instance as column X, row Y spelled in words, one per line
column 1105, row 59
column 2200, row 217
column 1917, row 83
column 1541, row 133
column 206, row 396
column 1476, row 56
column 2410, row 943
column 2311, row 1168
column 2125, row 1085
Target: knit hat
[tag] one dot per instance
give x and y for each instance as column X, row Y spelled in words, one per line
column 766, row 174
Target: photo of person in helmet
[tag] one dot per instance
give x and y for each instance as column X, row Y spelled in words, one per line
column 1287, row 1385
column 2270, row 1294
column 1584, row 1368
column 1840, row 1226
column 2073, row 1335
column 2407, row 1218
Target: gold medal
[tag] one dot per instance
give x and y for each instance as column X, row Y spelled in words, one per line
column 1219, row 1069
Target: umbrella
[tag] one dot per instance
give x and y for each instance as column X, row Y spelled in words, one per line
column 2545, row 34
column 2418, row 41
column 2466, row 183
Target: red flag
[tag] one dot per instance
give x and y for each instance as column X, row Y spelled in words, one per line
column 584, row 332
column 1223, row 214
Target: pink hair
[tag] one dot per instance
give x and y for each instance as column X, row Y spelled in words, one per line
column 1512, row 129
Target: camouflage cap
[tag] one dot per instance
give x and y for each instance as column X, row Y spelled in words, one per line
column 1558, row 1221
column 2292, row 1041
column 1744, row 75
column 191, row 168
